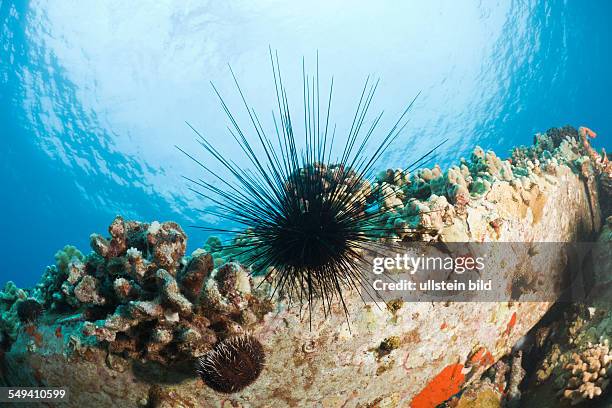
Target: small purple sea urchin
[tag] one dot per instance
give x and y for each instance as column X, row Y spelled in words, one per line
column 29, row 310
column 232, row 364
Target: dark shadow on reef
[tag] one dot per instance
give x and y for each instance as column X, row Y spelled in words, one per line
column 155, row 373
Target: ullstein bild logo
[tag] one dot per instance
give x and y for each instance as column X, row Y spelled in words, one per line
column 496, row 272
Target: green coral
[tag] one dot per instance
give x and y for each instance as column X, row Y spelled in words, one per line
column 10, row 294
column 53, row 290
column 9, row 298
column 545, row 145
column 67, row 255
column 480, row 186
column 213, row 244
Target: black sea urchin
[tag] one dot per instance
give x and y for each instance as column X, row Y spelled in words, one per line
column 29, row 310
column 306, row 215
column 232, row 364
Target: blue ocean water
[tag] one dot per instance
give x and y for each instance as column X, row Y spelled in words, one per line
column 94, row 95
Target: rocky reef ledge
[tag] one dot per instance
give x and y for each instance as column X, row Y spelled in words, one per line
column 124, row 324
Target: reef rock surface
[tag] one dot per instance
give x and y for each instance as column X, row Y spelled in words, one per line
column 124, row 325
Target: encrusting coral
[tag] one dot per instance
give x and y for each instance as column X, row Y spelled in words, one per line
column 495, row 387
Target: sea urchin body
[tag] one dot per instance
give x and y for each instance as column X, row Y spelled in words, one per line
column 305, row 214
column 29, row 310
column 232, row 364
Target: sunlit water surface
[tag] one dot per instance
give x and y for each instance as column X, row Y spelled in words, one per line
column 94, row 95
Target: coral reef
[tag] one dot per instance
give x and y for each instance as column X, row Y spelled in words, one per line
column 589, row 373
column 155, row 292
column 428, row 200
column 9, row 303
column 544, row 145
column 56, row 287
column 133, row 316
column 139, row 295
column 575, row 367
